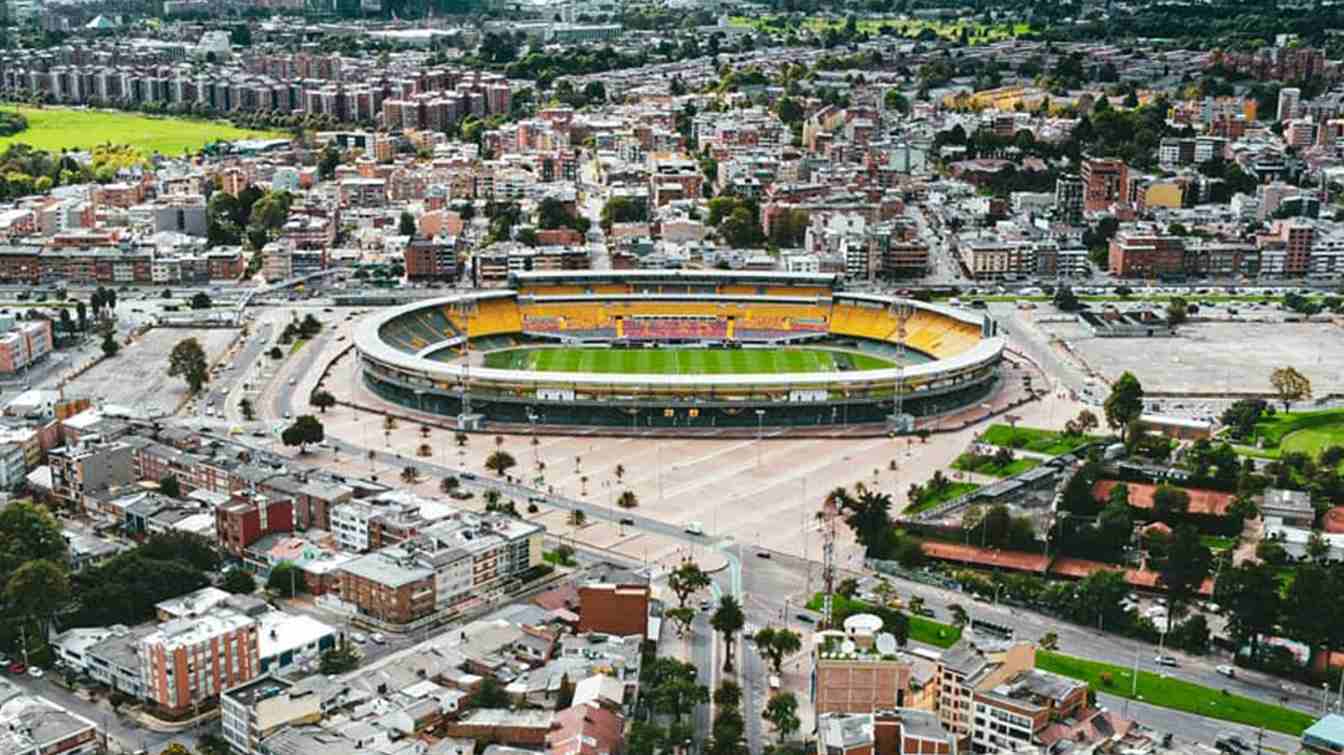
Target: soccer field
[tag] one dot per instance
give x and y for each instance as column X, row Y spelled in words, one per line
column 683, row 361
column 55, row 128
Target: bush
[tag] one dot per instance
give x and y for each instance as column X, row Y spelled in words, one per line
column 1107, row 680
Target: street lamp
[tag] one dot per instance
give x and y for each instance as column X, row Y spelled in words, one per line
column 760, row 430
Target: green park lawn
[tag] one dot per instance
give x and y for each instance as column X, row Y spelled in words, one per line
column 1217, row 542
column 53, row 129
column 1306, row 432
column 1034, row 439
column 683, row 361
column 981, row 465
column 1176, row 694
column 929, row 500
column 922, row 630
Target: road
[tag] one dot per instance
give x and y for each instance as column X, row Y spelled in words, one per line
column 770, row 592
column 125, row 733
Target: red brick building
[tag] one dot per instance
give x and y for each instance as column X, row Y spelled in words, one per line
column 1105, row 182
column 612, row 608
column 247, row 518
column 427, row 259
column 1141, row 253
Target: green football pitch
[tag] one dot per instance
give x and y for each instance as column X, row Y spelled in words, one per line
column 683, row 361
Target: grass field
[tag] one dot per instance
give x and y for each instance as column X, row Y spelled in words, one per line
column 922, row 630
column 968, row 463
column 682, row 361
column 52, row 129
column 1305, row 432
column 928, row 501
column 1176, row 694
column 1033, row 439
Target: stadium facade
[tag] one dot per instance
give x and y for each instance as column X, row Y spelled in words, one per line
column 429, row 355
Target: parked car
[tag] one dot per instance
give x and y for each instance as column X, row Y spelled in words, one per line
column 35, row 672
column 1165, row 660
column 378, row 638
column 17, row 668
column 627, row 521
column 1226, row 670
column 359, row 637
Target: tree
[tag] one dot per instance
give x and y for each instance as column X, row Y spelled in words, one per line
column 245, row 406
column 238, row 582
column 36, row 590
column 782, row 713
column 627, row 499
column 1311, row 608
column 577, row 518
column 339, row 660
column 686, row 580
column 306, row 429
column 1183, row 570
column 323, row 400
column 110, row 345
column 775, row 644
column 169, row 486
column 959, row 615
column 409, row 475
column 1250, row 594
column 683, row 617
column 275, row 353
column 1125, row 404
column 728, row 620
column 672, row 687
column 491, row 694
column 1177, row 311
column 406, row 225
column 201, row 301
column 1065, row 300
column 500, row 462
column 187, row 361
column 286, row 579
column 1169, row 500
column 1291, row 386
column 175, row 749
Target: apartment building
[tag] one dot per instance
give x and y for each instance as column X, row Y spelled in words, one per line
column 615, row 606
column 887, row 732
column 1069, row 198
column 969, row 667
column 431, row 259
column 189, row 660
column 259, row 708
column 447, row 565
column 1015, row 713
column 23, row 343
column 89, row 467
column 249, row 517
column 1144, row 252
column 1105, row 182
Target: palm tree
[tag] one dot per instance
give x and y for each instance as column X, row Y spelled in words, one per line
column 409, row 475
column 627, row 500
column 619, row 471
column 461, row 439
column 728, row 620
column 425, row 450
column 499, row 441
column 449, row 484
column 577, row 518
column 424, row 431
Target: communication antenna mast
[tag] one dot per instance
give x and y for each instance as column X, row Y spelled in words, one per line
column 829, row 513
column 901, row 422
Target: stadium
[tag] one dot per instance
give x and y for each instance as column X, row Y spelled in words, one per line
column 693, row 350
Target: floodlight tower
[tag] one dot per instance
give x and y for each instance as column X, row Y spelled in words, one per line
column 829, row 512
column 901, row 422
